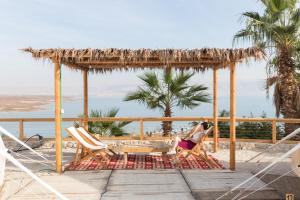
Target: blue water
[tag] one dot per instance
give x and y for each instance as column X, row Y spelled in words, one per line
column 244, row 106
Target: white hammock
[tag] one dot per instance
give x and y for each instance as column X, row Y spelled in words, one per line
column 5, row 155
column 2, row 162
column 286, row 155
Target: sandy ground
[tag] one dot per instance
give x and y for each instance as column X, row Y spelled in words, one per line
column 24, row 103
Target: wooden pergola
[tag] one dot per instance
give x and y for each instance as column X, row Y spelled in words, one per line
column 104, row 60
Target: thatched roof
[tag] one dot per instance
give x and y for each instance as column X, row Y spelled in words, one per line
column 99, row 60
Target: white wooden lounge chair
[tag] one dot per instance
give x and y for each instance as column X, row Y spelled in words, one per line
column 197, row 150
column 91, row 138
column 91, row 150
column 94, row 140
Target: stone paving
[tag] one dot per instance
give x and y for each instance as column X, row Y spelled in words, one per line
column 139, row 184
column 130, row 184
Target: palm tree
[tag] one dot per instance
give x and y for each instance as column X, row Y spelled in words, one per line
column 106, row 128
column 277, row 30
column 168, row 91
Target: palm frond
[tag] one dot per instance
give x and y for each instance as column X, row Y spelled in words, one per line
column 175, row 91
column 151, row 79
column 253, row 15
column 271, row 81
column 106, row 128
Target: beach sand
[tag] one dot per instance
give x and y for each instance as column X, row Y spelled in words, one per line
column 26, row 103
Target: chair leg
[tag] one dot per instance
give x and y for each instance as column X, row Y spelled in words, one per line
column 94, row 156
column 77, row 154
column 179, row 152
column 187, row 155
column 105, row 155
column 206, row 158
column 205, row 154
column 110, row 149
column 90, row 155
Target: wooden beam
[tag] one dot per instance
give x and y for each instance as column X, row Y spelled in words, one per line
column 21, row 130
column 85, row 99
column 58, row 136
column 141, row 129
column 146, row 64
column 215, row 110
column 274, row 132
column 154, row 119
column 232, row 117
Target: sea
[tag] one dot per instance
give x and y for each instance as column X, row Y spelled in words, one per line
column 246, row 106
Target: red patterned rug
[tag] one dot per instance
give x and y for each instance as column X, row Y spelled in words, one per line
column 147, row 162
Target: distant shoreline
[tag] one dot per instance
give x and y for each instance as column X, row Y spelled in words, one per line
column 26, row 103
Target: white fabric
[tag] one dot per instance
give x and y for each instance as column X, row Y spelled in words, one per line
column 196, row 137
column 5, row 155
column 86, row 134
column 286, row 155
column 40, row 181
column 295, row 163
column 2, row 161
column 74, row 132
column 294, row 133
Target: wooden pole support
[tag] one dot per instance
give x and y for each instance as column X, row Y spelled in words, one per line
column 58, row 137
column 142, row 129
column 85, row 99
column 215, row 111
column 274, row 132
column 232, row 116
column 21, row 130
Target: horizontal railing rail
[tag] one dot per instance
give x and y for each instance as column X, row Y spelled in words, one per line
column 153, row 119
column 142, row 120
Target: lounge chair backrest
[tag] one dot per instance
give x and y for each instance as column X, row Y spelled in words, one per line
column 73, row 132
column 194, row 130
column 206, row 133
column 86, row 134
column 209, row 130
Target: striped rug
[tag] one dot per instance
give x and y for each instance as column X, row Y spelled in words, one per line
column 147, row 162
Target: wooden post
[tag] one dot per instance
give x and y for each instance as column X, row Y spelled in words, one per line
column 142, row 129
column 21, row 130
column 58, row 137
column 85, row 99
column 232, row 117
column 274, row 132
column 215, row 110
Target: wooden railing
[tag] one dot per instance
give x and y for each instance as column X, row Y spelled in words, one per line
column 142, row 120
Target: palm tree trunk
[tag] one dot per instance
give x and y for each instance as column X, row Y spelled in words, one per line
column 289, row 89
column 167, row 126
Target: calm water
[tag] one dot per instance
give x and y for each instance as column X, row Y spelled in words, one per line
column 245, row 106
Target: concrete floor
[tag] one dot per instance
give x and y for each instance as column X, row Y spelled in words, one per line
column 142, row 184
column 133, row 184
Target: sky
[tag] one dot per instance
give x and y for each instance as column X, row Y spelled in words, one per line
column 118, row 24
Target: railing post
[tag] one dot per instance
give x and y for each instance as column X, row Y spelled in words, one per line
column 81, row 122
column 141, row 129
column 85, row 100
column 215, row 111
column 232, row 116
column 274, row 132
column 21, row 130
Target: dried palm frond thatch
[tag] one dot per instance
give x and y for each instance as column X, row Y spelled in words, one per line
column 101, row 60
